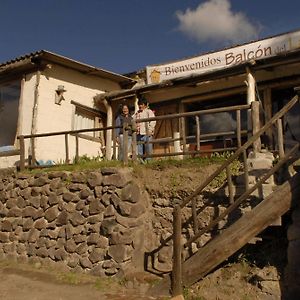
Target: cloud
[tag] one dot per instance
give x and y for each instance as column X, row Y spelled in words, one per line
column 214, row 21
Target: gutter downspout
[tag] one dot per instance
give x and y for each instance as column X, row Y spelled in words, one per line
column 34, row 112
column 109, row 123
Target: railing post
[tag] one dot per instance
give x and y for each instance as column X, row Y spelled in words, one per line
column 198, row 132
column 238, row 128
column 134, row 146
column 67, row 148
column 255, row 125
column 177, row 269
column 114, row 141
column 280, row 138
column 125, row 143
column 22, row 153
column 146, row 145
column 230, row 185
column 182, row 133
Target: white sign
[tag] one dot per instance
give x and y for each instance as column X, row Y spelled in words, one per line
column 224, row 59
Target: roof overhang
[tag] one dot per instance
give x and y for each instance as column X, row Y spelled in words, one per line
column 40, row 59
column 266, row 64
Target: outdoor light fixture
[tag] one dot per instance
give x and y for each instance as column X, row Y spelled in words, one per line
column 59, row 94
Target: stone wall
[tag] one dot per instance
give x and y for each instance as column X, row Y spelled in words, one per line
column 89, row 221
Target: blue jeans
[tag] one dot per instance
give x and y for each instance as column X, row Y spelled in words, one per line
column 121, row 145
column 144, row 149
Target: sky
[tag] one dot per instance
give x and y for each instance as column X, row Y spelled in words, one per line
column 124, row 36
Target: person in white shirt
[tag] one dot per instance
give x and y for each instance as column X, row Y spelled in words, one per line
column 145, row 130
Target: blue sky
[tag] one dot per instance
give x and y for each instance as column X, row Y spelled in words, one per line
column 126, row 35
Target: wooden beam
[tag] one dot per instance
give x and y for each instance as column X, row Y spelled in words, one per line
column 237, row 235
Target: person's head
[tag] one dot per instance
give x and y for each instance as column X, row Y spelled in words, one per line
column 125, row 109
column 142, row 103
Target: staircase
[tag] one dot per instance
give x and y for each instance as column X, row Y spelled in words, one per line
column 268, row 208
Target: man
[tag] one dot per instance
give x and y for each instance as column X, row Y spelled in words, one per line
column 145, row 130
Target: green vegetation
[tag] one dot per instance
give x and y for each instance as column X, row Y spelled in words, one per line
column 87, row 163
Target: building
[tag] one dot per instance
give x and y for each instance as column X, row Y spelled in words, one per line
column 266, row 70
column 44, row 92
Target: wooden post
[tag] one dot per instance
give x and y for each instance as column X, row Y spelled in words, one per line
column 114, row 141
column 177, row 268
column 230, row 185
column 198, row 132
column 280, row 138
column 134, row 146
column 67, row 148
column 22, row 153
column 182, row 133
column 77, row 148
column 255, row 125
column 246, row 171
column 147, row 140
column 125, row 143
column 238, row 128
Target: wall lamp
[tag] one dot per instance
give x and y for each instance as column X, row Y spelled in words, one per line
column 59, row 94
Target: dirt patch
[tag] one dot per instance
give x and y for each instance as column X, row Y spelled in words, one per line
column 172, row 180
column 36, row 282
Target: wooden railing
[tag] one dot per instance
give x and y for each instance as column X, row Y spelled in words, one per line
column 236, row 134
column 241, row 154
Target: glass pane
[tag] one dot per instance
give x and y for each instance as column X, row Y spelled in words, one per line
column 9, row 107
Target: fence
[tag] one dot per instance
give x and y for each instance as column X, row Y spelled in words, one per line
column 234, row 203
column 237, row 134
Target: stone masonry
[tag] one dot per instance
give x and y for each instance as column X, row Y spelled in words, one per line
column 89, row 221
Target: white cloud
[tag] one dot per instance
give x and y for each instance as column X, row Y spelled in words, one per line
column 214, row 21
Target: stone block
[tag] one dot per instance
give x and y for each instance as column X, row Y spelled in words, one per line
column 6, row 226
column 95, row 207
column 94, row 179
column 53, row 199
column 14, row 212
column 117, row 180
column 120, row 253
column 68, row 196
column 81, row 249
column 76, row 218
column 78, row 177
column 97, row 255
column 4, row 237
column 70, row 246
column 62, row 218
column 107, row 226
column 85, row 263
column 51, row 213
column 131, row 193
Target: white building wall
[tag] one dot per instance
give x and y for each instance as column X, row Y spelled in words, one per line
column 52, row 117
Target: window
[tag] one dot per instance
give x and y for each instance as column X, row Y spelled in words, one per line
column 9, row 111
column 87, row 118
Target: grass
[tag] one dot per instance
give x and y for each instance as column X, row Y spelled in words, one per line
column 156, row 164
